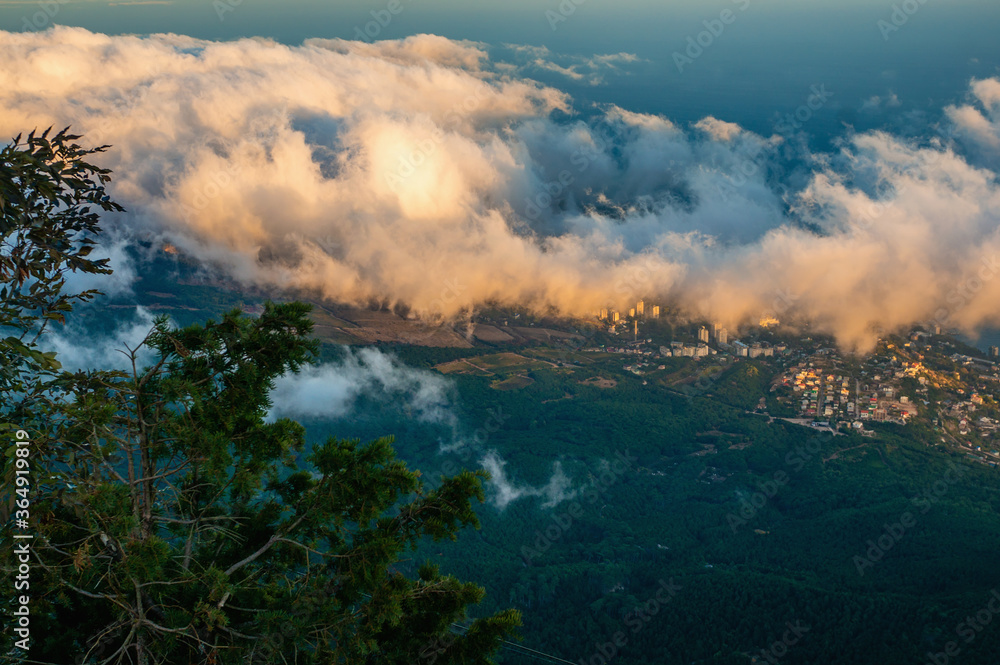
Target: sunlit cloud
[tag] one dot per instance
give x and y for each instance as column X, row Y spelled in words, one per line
column 401, row 170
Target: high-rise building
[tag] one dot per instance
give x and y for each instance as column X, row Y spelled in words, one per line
column 631, row 312
column 703, row 334
column 640, row 308
column 716, row 327
column 994, row 352
column 656, row 311
column 723, row 336
column 615, row 316
column 604, row 314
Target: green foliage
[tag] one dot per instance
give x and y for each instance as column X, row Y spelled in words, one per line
column 50, row 198
column 50, row 203
column 184, row 526
column 175, row 522
column 744, row 384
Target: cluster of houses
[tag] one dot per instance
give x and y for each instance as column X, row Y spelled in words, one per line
column 830, row 395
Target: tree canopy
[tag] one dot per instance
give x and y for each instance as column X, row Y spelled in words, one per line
column 176, row 520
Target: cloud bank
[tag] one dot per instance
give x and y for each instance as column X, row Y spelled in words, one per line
column 79, row 348
column 331, row 390
column 503, row 491
column 412, row 170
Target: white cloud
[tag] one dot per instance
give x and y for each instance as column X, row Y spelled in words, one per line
column 877, row 102
column 575, row 67
column 979, row 123
column 410, row 169
column 117, row 283
column 503, row 492
column 331, row 390
column 79, row 348
column 720, row 130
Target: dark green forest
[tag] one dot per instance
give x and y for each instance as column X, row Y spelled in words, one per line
column 760, row 525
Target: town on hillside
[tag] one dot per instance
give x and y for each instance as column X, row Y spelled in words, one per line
column 928, row 376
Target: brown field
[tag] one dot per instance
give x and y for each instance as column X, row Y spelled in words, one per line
column 555, row 355
column 461, row 367
column 600, row 382
column 354, row 325
column 485, row 333
column 543, row 334
column 513, row 383
column 509, row 362
column 501, row 360
column 504, row 364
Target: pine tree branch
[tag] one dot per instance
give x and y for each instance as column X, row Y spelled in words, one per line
column 264, row 548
